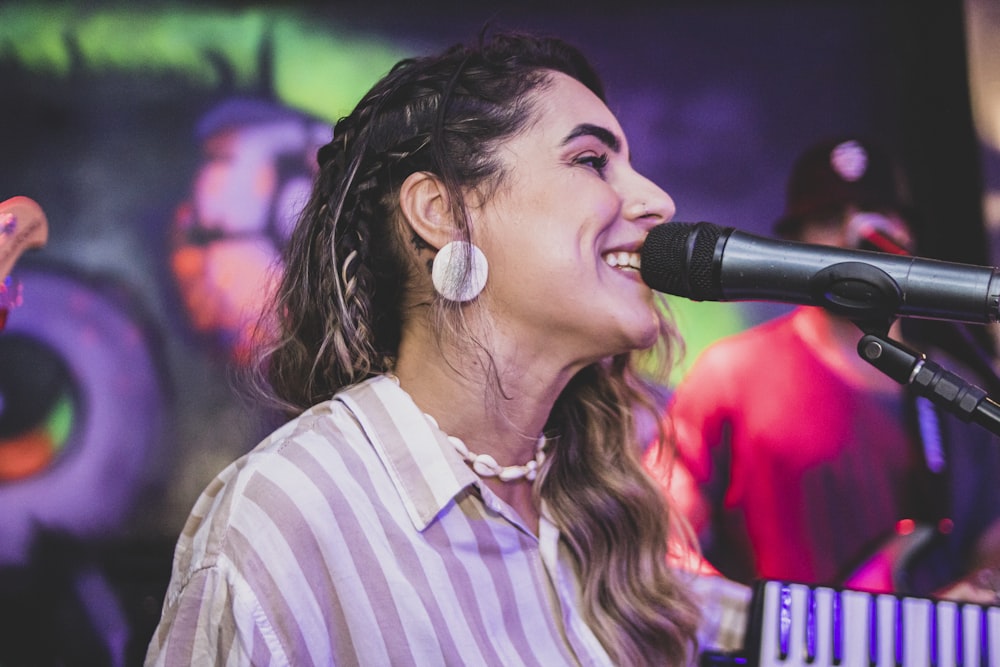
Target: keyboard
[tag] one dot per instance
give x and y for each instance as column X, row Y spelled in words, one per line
column 795, row 625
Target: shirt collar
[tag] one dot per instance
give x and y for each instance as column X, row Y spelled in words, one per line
column 424, row 467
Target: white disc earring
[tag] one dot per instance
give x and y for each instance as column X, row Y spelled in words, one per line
column 459, row 271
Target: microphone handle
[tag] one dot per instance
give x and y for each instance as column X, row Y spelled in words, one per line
column 853, row 283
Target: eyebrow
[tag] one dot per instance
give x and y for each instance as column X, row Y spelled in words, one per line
column 602, row 134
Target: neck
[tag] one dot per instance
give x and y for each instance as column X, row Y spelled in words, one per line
column 457, row 386
column 464, row 399
column 487, row 388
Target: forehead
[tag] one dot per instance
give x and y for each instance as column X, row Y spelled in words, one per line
column 565, row 104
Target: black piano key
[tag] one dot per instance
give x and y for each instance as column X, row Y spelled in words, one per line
column 897, row 609
column 784, row 622
column 984, row 639
column 713, row 659
column 959, row 638
column 838, row 630
column 811, row 629
column 872, row 632
column 933, row 638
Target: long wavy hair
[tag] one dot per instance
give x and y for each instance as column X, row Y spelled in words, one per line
column 340, row 304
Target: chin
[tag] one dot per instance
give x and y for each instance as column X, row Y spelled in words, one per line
column 648, row 341
column 640, row 339
column 630, row 332
column 649, row 331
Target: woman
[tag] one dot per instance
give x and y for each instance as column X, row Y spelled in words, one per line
column 456, row 318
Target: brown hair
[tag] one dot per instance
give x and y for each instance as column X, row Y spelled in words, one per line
column 339, row 311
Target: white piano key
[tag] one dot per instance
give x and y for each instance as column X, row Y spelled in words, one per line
column 971, row 633
column 946, row 623
column 771, row 615
column 917, row 632
column 885, row 638
column 855, row 606
column 993, row 623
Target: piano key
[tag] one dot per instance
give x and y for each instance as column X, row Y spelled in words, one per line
column 984, row 639
column 838, row 627
column 886, row 612
column 993, row 634
column 857, row 609
column 809, row 626
column 915, row 632
column 971, row 616
column 812, row 625
column 948, row 631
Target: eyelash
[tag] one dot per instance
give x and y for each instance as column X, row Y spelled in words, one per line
column 596, row 162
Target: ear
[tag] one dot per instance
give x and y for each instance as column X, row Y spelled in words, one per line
column 425, row 204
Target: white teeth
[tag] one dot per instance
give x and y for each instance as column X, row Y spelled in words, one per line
column 623, row 259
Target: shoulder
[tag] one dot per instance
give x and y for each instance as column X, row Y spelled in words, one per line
column 279, row 525
column 215, row 602
column 756, row 337
column 735, row 356
column 282, row 483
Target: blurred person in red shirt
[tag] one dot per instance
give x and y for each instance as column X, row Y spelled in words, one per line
column 798, row 460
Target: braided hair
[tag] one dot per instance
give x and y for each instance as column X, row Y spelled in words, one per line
column 443, row 114
column 339, row 310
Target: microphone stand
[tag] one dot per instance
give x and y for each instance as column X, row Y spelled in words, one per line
column 928, row 379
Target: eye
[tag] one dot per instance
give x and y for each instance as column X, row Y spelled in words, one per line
column 595, row 162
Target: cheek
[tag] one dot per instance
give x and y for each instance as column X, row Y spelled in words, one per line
column 606, row 204
column 547, row 228
column 532, row 268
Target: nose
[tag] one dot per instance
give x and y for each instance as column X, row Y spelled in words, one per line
column 649, row 204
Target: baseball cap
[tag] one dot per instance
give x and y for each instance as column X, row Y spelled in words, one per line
column 836, row 173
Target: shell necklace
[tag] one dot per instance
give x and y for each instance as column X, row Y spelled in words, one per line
column 485, row 465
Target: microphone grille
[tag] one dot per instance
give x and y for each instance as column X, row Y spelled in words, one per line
column 701, row 264
column 677, row 259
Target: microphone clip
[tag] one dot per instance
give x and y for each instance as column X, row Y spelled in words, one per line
column 930, row 380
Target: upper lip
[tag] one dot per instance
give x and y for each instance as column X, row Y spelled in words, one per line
column 634, row 246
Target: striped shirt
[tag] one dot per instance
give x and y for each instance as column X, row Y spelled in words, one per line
column 356, row 535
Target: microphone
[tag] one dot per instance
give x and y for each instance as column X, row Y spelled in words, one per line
column 873, row 231
column 705, row 262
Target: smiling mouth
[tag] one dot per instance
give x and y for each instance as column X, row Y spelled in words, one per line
column 623, row 260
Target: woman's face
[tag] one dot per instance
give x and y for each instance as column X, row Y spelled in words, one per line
column 563, row 233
